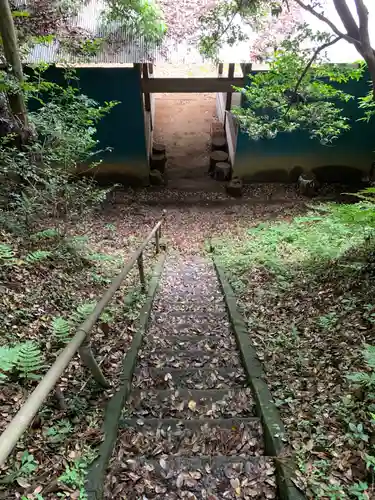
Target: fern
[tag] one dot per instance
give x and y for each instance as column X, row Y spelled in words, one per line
column 8, row 357
column 6, row 254
column 61, row 329
column 46, row 234
column 29, row 360
column 102, row 257
column 37, row 256
column 85, row 309
column 369, row 356
column 365, row 379
column 82, row 311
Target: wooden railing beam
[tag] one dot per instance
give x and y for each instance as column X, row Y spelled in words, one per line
column 186, row 85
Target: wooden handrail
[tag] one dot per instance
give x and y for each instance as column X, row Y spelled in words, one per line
column 80, row 342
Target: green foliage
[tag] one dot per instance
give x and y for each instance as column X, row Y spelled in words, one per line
column 365, row 379
column 327, row 321
column 218, row 26
column 59, row 431
column 75, row 473
column 136, row 17
column 29, row 360
column 37, row 179
column 24, row 358
column 288, row 97
column 6, row 254
column 101, row 257
column 37, row 257
column 23, row 469
column 46, row 234
column 61, row 329
column 8, row 358
column 285, row 247
column 132, row 302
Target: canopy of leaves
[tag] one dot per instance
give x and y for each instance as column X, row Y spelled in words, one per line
column 137, row 17
column 297, row 95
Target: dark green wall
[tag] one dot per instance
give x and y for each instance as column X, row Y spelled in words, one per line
column 123, row 128
column 278, row 156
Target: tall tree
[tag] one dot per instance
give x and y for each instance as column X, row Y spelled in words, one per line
column 218, row 24
column 13, row 61
column 298, row 91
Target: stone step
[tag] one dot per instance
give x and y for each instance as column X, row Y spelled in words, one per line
column 194, row 478
column 190, row 404
column 189, row 326
column 199, row 307
column 193, row 315
column 152, row 437
column 181, row 342
column 191, row 378
column 194, row 358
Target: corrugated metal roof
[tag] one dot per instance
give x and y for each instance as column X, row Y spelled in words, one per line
column 122, row 48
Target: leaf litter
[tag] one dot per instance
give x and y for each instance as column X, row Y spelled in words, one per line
column 30, row 297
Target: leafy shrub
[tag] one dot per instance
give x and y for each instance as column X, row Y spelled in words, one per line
column 36, row 178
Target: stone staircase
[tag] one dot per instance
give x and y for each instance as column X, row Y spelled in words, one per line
column 189, row 428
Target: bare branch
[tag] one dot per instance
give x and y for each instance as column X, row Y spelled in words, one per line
column 325, row 20
column 313, row 57
column 217, row 36
column 317, row 51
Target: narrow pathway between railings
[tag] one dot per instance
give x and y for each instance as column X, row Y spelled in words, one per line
column 189, row 428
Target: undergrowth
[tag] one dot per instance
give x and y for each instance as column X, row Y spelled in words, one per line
column 306, row 290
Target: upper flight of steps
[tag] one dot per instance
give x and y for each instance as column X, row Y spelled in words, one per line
column 189, row 428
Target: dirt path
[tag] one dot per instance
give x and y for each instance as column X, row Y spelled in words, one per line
column 183, row 124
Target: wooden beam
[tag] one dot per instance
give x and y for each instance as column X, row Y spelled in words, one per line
column 220, row 69
column 145, row 75
column 228, row 103
column 186, row 85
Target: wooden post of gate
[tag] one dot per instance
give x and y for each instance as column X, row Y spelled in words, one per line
column 145, row 68
column 220, row 69
column 246, row 69
column 228, row 103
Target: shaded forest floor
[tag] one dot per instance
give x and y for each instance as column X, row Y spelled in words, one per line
column 306, row 297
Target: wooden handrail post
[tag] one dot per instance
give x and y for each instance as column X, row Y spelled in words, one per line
column 87, row 358
column 141, row 272
column 157, row 241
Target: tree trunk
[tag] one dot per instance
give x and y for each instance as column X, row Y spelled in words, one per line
column 12, row 57
column 364, row 36
column 357, row 33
